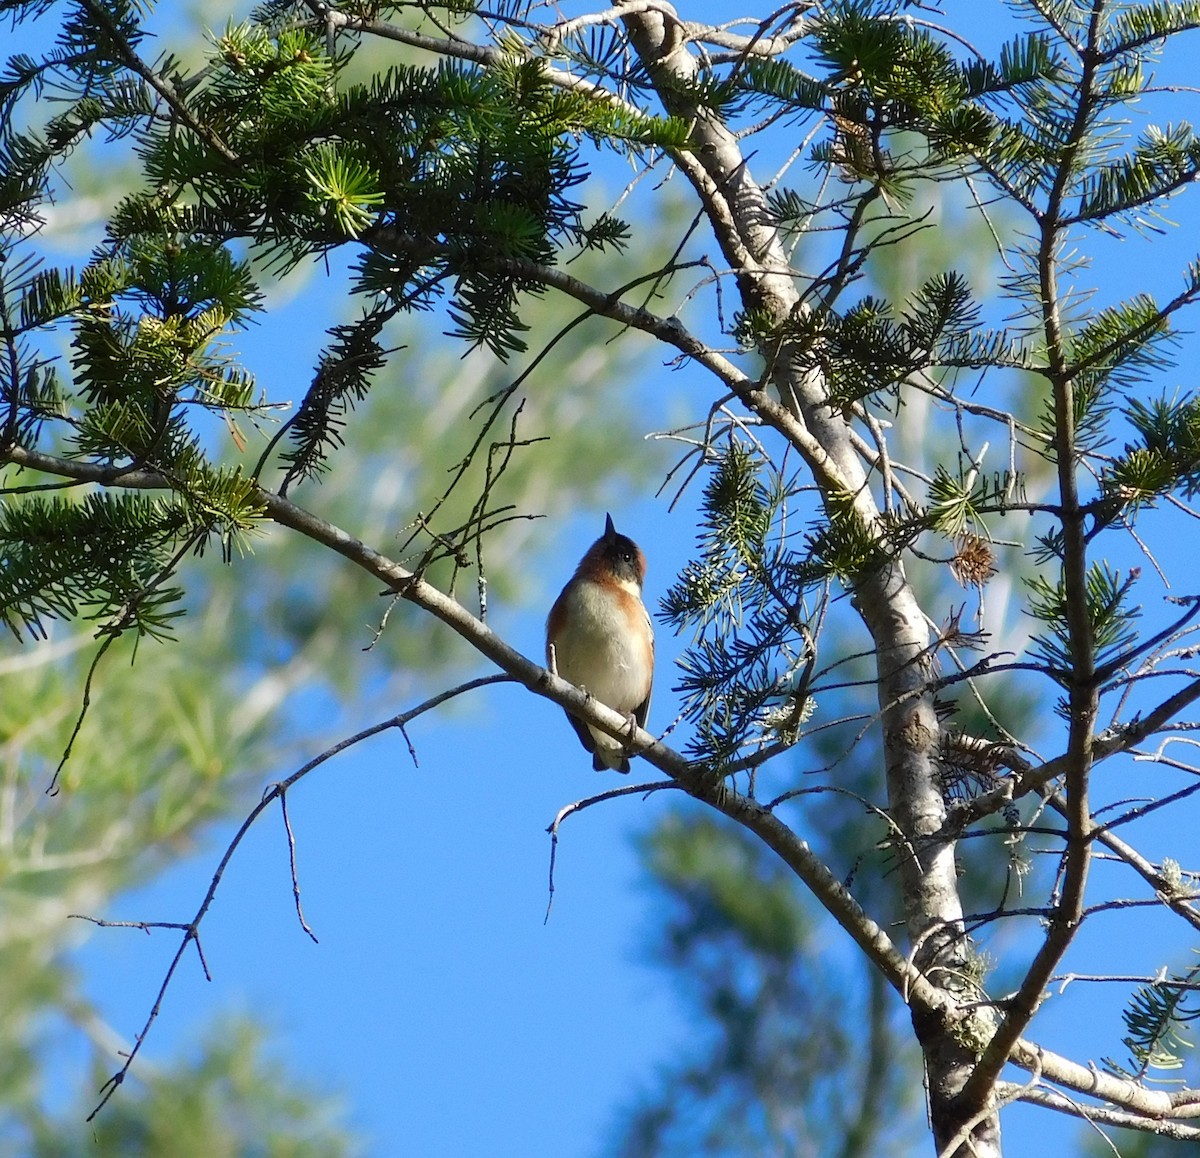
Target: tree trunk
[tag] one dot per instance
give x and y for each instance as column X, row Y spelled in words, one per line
column 743, row 225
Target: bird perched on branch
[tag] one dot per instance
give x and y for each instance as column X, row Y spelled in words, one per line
column 599, row 637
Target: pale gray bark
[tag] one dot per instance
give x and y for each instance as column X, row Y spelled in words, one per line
column 740, row 219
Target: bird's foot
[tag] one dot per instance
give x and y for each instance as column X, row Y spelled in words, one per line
column 632, row 724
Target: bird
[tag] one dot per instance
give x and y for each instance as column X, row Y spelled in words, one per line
column 599, row 637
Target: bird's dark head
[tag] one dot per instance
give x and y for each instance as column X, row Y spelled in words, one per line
column 615, row 555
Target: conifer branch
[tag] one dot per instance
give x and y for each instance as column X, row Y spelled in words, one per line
column 160, row 84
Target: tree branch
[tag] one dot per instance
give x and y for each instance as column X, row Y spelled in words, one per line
column 163, row 87
column 1082, row 688
column 902, row 974
column 1155, row 1105
column 277, row 791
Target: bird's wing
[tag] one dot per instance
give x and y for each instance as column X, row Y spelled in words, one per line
column 581, row 730
column 643, row 709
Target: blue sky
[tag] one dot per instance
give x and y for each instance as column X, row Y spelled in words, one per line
column 456, row 1020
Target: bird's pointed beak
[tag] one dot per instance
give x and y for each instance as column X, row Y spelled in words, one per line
column 609, row 529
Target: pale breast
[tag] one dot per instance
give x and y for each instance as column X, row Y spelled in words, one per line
column 597, row 651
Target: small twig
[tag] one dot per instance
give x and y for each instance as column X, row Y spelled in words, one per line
column 291, row 839
column 1160, row 981
column 112, row 631
column 579, row 806
column 85, row 704
column 190, row 933
column 145, row 926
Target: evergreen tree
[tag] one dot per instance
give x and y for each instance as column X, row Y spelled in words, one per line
column 453, row 185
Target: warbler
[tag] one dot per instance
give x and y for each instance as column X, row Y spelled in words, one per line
column 599, row 637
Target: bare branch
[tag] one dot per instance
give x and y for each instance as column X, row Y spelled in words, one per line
column 580, row 806
column 191, row 929
column 291, row 840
